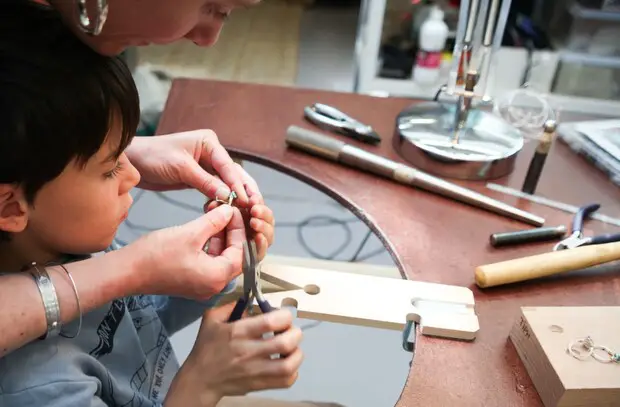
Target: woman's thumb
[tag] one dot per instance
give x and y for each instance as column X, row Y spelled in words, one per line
column 211, row 223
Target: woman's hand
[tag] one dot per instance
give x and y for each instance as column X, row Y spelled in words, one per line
column 192, row 159
column 171, row 261
column 230, row 359
column 261, row 221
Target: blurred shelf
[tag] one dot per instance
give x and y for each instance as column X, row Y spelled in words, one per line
column 585, row 13
column 582, row 58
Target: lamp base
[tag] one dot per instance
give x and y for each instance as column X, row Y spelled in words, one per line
column 484, row 148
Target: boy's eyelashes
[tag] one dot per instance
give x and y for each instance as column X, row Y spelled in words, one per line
column 117, row 168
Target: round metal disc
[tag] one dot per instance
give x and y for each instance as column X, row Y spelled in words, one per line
column 485, row 148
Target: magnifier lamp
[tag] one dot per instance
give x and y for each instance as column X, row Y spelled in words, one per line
column 461, row 139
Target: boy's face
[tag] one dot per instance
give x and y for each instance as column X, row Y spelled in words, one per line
column 78, row 212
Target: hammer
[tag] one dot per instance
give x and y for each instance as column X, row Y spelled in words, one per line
column 546, row 264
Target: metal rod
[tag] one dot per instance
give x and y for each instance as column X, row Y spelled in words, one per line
column 466, row 52
column 490, row 24
column 464, row 105
column 341, row 152
column 527, row 236
column 551, row 203
column 471, row 22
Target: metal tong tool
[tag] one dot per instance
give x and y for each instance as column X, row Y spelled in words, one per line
column 251, row 274
column 330, row 118
column 577, row 238
column 251, row 286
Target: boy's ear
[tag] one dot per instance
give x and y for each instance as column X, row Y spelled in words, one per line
column 13, row 209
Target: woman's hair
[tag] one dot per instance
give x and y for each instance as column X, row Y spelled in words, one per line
column 58, row 97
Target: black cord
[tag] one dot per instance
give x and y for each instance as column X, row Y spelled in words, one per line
column 527, row 72
column 439, row 91
column 310, row 222
column 361, row 246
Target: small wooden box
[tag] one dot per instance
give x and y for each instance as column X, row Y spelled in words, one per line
column 541, row 336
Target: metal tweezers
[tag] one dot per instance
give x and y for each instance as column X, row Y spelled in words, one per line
column 330, row 118
column 577, row 239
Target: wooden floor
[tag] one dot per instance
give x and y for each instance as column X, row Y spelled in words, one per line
column 258, row 45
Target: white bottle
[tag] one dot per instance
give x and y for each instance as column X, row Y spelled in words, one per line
column 432, row 40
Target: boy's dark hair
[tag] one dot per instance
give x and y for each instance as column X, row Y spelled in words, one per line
column 57, row 97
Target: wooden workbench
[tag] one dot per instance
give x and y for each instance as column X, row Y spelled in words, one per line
column 430, row 238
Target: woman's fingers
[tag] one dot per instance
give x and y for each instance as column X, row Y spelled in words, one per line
column 261, row 246
column 262, row 223
column 235, row 234
column 210, row 224
column 216, row 156
column 210, row 205
column 217, row 244
column 262, row 212
column 228, row 262
column 261, row 227
column 232, row 237
column 251, row 187
column 197, row 177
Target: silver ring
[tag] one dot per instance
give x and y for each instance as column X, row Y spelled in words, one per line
column 229, row 200
column 584, row 343
column 604, row 359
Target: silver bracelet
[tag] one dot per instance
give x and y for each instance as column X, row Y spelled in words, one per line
column 79, row 306
column 49, row 298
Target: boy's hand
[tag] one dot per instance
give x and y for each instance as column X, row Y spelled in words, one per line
column 192, row 159
column 171, row 261
column 231, row 359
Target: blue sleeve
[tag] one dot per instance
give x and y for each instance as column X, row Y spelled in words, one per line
column 56, row 394
column 176, row 313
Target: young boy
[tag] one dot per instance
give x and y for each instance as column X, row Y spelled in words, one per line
column 67, row 114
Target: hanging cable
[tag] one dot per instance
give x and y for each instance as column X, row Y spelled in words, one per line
column 315, row 221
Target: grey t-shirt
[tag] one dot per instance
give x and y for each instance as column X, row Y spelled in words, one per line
column 122, row 357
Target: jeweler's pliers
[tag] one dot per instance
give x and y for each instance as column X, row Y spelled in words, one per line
column 577, row 239
column 251, row 284
column 251, row 276
column 330, row 118
column 251, row 273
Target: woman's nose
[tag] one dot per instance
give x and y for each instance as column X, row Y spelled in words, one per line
column 206, row 32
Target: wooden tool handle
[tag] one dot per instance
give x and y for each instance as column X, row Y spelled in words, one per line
column 528, row 268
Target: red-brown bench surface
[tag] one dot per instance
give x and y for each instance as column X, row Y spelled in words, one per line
column 430, row 238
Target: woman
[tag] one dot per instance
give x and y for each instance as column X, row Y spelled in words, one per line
column 169, row 261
